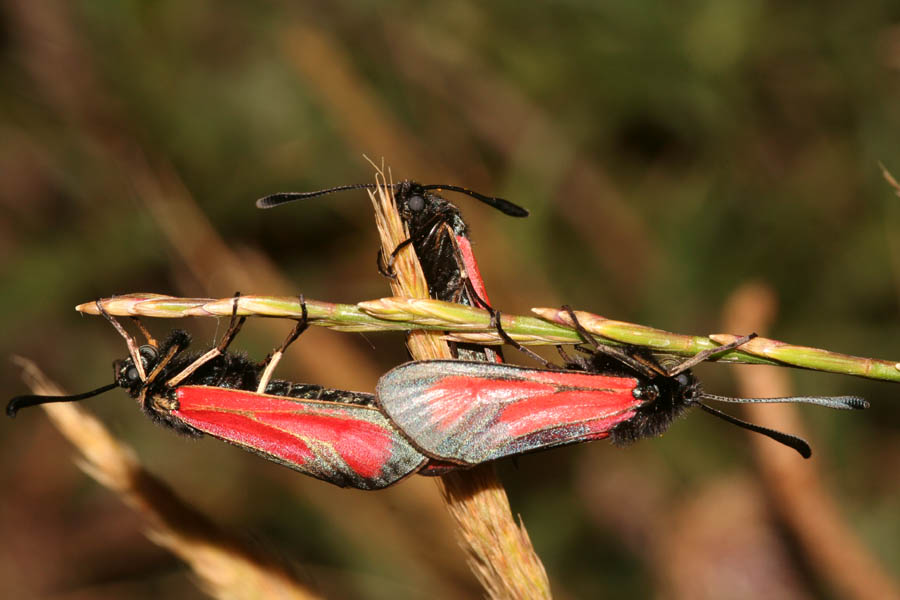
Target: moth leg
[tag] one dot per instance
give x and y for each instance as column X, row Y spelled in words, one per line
column 146, row 332
column 495, row 323
column 476, row 297
column 275, row 357
column 645, row 368
column 703, row 355
column 129, row 341
column 387, row 269
column 234, row 327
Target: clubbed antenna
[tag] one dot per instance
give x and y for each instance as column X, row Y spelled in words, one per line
column 285, row 197
column 838, row 402
column 791, row 441
column 20, row 402
column 504, row 206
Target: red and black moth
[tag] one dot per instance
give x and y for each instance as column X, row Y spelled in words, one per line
column 440, row 238
column 470, row 412
column 337, row 436
column 437, row 233
column 461, row 413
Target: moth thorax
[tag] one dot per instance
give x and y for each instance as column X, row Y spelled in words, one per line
column 687, row 387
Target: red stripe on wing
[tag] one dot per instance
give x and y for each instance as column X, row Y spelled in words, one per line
column 586, row 381
column 468, row 257
column 452, row 397
column 601, row 409
column 571, row 395
column 291, row 430
column 201, row 397
column 471, row 412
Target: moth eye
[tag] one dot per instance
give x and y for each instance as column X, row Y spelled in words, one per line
column 416, row 203
column 149, row 355
column 131, row 374
column 683, row 379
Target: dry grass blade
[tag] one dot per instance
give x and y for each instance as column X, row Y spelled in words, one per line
column 500, row 552
column 890, row 179
column 50, row 39
column 223, row 565
column 797, row 489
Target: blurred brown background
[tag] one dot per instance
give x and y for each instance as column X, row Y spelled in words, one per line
column 669, row 156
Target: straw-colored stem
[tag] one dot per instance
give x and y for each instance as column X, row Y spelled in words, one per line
column 223, row 564
column 500, row 552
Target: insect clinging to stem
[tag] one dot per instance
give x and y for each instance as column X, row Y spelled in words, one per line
column 334, row 435
column 470, row 412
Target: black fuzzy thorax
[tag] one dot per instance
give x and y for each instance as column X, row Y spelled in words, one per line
column 654, row 418
column 433, row 231
column 230, row 370
column 673, row 396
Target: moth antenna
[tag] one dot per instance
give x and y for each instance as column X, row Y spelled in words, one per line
column 20, row 402
column 504, row 206
column 791, row 441
column 839, row 402
column 284, row 197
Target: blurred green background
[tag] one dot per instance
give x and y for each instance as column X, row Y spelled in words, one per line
column 669, row 155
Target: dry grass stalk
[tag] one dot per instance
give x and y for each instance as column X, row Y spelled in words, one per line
column 499, row 549
column 797, row 489
column 68, row 83
column 890, row 179
column 223, row 564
